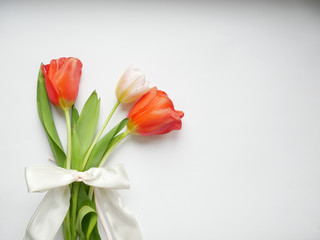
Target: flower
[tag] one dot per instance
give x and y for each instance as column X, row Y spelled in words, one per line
column 154, row 114
column 131, row 86
column 62, row 78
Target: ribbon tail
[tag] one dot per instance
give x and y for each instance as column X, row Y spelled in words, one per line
column 102, row 216
column 49, row 216
column 117, row 221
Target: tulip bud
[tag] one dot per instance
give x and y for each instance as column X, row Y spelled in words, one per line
column 154, row 114
column 62, row 77
column 131, row 86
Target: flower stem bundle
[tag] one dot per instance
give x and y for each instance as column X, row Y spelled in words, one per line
column 153, row 114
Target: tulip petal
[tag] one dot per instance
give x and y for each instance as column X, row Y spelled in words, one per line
column 67, row 79
column 129, row 79
column 54, row 66
column 161, row 101
column 136, row 94
column 51, row 89
column 143, row 102
column 159, row 122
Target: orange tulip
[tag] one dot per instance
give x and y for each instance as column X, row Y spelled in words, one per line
column 62, row 77
column 154, row 114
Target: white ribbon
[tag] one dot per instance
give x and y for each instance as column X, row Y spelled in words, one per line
column 117, row 221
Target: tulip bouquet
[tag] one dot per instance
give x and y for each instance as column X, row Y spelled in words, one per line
column 80, row 189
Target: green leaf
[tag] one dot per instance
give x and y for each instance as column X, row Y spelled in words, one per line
column 101, row 147
column 77, row 153
column 82, row 213
column 88, row 227
column 44, row 110
column 88, row 120
column 58, row 154
column 74, row 117
column 92, row 224
column 83, row 198
column 95, row 234
column 47, row 122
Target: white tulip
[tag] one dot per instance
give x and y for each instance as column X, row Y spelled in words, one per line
column 131, row 86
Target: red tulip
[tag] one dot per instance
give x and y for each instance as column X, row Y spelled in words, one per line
column 62, row 77
column 154, row 114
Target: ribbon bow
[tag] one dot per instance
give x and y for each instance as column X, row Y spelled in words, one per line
column 117, row 221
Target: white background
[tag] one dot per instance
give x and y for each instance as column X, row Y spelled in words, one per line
column 245, row 164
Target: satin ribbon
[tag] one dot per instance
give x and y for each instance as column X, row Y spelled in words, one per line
column 116, row 220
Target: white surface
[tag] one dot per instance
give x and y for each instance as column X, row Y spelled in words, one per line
column 246, row 163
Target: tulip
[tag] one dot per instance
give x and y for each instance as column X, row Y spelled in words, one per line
column 62, row 78
column 131, row 86
column 154, row 114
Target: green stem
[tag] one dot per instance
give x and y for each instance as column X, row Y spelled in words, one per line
column 108, row 152
column 74, row 202
column 114, row 144
column 99, row 134
column 66, row 227
column 90, row 195
column 67, row 115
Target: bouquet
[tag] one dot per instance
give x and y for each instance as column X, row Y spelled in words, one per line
column 80, row 189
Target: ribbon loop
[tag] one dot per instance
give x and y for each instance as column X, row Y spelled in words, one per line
column 49, row 216
column 111, row 178
column 44, row 178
